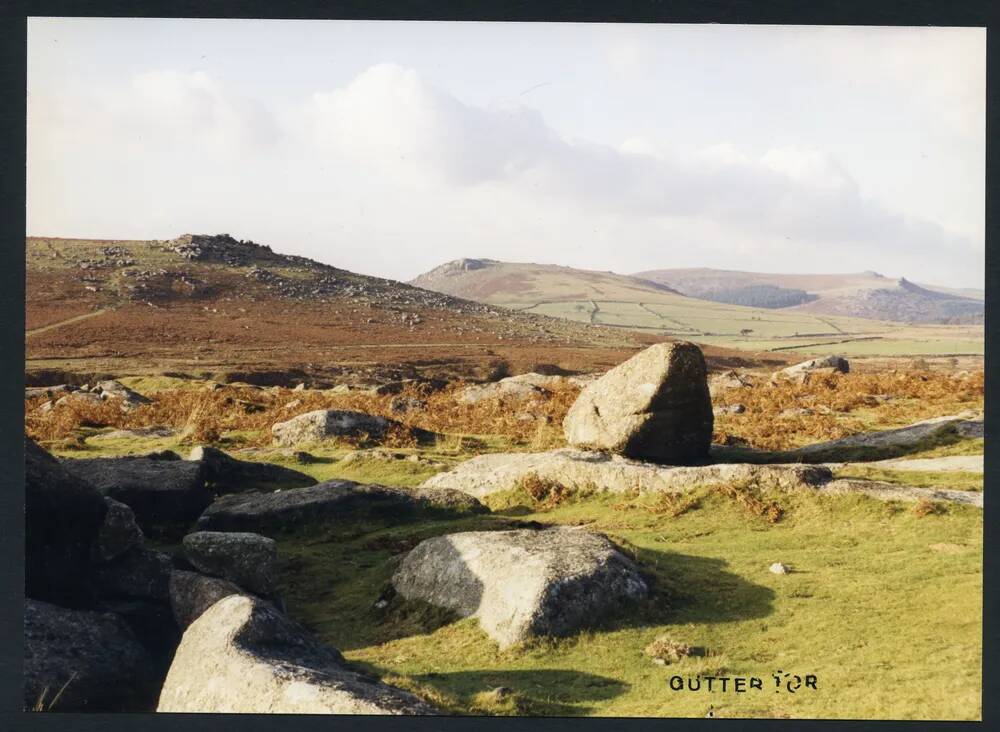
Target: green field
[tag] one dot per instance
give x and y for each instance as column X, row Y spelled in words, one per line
column 753, row 329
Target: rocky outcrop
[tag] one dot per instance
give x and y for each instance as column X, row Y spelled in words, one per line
column 654, row 407
column 243, row 656
column 226, row 474
column 522, row 583
column 325, row 504
column 324, row 424
column 192, row 593
column 162, row 493
column 63, row 518
column 585, row 470
column 77, row 660
column 244, row 558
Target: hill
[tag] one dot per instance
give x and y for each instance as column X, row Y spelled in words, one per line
column 214, row 306
column 653, row 304
column 861, row 295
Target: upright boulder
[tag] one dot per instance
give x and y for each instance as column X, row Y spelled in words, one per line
column 243, row 656
column 654, row 407
column 77, row 660
column 63, row 516
column 522, row 583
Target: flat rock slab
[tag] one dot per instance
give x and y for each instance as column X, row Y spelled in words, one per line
column 161, row 493
column 885, row 491
column 244, row 558
column 947, row 464
column 243, row 656
column 93, row 658
column 330, row 501
column 654, row 406
column 226, row 474
column 585, row 470
column 522, row 583
column 901, row 438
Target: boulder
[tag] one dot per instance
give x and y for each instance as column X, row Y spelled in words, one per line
column 192, row 593
column 31, row 392
column 585, row 470
column 244, row 558
column 63, row 517
column 727, row 380
column 139, row 574
column 118, row 533
column 503, row 389
column 77, row 660
column 522, row 583
column 325, row 504
column 798, row 372
column 78, row 397
column 112, row 389
column 324, row 424
column 653, row 407
column 243, row 656
column 163, row 494
column 226, row 474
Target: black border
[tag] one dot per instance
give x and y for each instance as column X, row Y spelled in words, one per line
column 981, row 13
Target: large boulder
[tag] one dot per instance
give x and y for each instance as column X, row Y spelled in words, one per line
column 63, row 517
column 77, row 660
column 141, row 573
column 522, row 583
column 118, row 533
column 243, row 656
column 241, row 557
column 654, row 407
column 324, row 504
column 585, row 470
column 163, row 494
column 226, row 474
column 324, row 424
column 192, row 593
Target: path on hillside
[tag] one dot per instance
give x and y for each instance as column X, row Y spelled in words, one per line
column 68, row 321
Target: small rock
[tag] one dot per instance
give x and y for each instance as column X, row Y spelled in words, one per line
column 779, row 568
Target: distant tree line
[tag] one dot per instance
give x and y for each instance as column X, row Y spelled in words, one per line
column 760, row 296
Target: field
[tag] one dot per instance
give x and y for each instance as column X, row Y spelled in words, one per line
column 739, row 327
column 862, row 570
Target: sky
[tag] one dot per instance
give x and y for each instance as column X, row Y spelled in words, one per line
column 388, row 148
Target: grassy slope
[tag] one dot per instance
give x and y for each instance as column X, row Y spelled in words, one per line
column 864, row 570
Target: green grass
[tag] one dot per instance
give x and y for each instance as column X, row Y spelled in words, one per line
column 890, row 626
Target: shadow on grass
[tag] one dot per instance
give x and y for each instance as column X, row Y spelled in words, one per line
column 541, row 692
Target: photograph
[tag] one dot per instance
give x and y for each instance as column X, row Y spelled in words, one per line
column 474, row 368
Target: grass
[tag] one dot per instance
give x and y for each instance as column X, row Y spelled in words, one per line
column 862, row 570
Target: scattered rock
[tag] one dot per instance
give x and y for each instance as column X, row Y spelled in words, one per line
column 77, row 660
column 729, row 409
column 226, row 474
column 118, row 533
column 727, row 380
column 585, row 470
column 136, row 432
column 654, row 407
column 192, row 593
column 522, row 583
column 779, row 568
column 323, row 424
column 798, row 372
column 242, row 655
column 63, row 518
column 161, row 493
column 247, row 559
column 78, row 397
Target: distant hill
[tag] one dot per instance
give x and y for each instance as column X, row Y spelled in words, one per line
column 752, row 313
column 860, row 295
